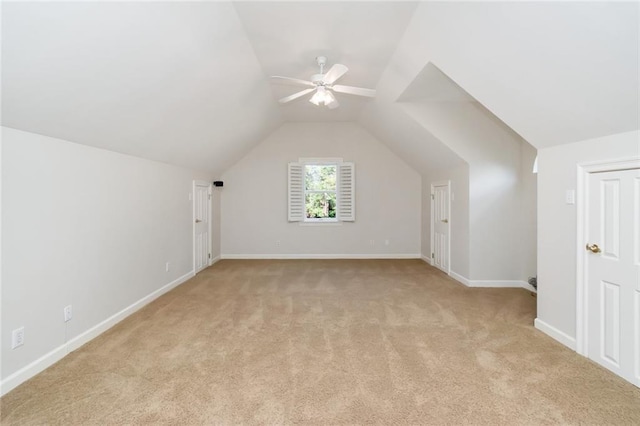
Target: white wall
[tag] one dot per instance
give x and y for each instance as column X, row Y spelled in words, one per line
column 528, row 217
column 84, row 227
column 459, row 220
column 499, row 236
column 557, row 170
column 254, row 197
column 216, row 217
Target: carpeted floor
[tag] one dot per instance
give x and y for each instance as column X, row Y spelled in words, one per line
column 326, row 342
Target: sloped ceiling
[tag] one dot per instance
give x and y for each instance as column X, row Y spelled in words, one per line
column 555, row 72
column 172, row 82
column 183, row 82
column 187, row 82
column 288, row 36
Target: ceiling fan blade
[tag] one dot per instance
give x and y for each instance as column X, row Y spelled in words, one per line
column 294, row 81
column 334, row 73
column 295, row 96
column 360, row 91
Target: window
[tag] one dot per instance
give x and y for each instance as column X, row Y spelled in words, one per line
column 321, row 190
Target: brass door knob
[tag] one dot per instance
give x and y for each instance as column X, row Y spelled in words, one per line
column 593, row 248
column 198, row 221
column 445, row 220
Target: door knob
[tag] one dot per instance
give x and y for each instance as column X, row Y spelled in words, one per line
column 198, row 221
column 445, row 220
column 593, row 248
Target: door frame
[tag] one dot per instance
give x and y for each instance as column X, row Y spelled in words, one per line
column 446, row 183
column 582, row 222
column 193, row 220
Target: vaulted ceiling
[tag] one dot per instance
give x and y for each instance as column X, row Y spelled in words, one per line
column 187, row 83
column 286, row 37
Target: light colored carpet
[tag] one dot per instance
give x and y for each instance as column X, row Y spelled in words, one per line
column 326, row 342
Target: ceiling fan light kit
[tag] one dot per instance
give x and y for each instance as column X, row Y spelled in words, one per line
column 323, row 86
column 323, row 97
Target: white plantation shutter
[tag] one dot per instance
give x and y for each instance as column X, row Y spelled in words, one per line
column 296, row 192
column 347, row 192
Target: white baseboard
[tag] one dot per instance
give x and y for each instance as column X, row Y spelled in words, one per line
column 491, row 283
column 27, row 372
column 556, row 334
column 323, row 256
column 427, row 259
column 45, row 361
column 501, row 284
column 459, row 278
column 214, row 260
column 96, row 330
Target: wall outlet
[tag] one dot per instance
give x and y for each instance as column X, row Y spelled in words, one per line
column 386, row 242
column 68, row 313
column 372, row 242
column 167, row 267
column 17, row 337
column 278, row 243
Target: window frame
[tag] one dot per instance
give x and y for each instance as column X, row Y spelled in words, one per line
column 346, row 191
column 335, row 162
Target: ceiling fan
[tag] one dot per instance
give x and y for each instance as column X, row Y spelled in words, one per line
column 322, row 85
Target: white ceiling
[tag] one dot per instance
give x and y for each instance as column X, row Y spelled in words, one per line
column 173, row 82
column 288, row 36
column 432, row 85
column 187, row 82
column 183, row 82
column 555, row 72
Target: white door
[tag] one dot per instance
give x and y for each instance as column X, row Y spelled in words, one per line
column 613, row 272
column 201, row 225
column 440, row 226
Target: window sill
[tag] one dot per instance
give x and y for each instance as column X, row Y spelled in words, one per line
column 321, row 223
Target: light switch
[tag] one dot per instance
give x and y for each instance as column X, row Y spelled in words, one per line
column 570, row 196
